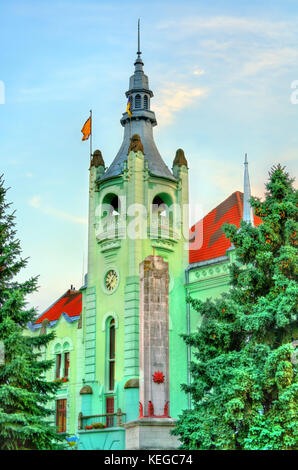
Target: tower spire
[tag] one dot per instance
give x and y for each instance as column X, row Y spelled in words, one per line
column 139, row 51
column 141, row 122
column 247, row 209
column 139, row 63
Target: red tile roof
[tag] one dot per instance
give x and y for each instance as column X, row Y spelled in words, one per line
column 70, row 303
column 210, row 241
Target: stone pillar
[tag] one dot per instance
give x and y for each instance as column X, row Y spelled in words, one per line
column 154, row 337
column 152, row 429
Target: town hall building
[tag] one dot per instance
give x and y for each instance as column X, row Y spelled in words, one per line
column 118, row 350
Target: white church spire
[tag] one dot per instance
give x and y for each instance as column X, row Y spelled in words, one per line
column 247, row 209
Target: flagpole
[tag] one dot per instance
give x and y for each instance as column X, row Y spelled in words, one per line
column 91, row 134
column 130, row 127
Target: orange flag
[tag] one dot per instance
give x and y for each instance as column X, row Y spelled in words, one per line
column 86, row 129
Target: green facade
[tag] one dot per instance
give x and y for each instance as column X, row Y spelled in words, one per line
column 124, row 255
column 118, row 241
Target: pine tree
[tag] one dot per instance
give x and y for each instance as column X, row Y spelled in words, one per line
column 244, row 379
column 24, row 391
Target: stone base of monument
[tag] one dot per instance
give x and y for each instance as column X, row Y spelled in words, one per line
column 150, row 434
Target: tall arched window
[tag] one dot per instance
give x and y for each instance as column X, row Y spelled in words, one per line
column 145, row 102
column 138, row 101
column 162, row 214
column 111, row 354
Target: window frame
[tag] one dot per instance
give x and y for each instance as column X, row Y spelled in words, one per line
column 61, row 411
column 110, row 408
column 58, row 367
column 138, row 101
column 66, row 362
column 110, row 354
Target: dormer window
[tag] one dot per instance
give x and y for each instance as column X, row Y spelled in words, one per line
column 145, row 102
column 138, row 101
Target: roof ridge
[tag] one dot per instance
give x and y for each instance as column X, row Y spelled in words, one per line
column 73, row 293
column 52, row 305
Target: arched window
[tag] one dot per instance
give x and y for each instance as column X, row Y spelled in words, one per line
column 61, row 352
column 145, row 102
column 138, row 101
column 58, row 365
column 162, row 215
column 159, row 206
column 110, row 205
column 111, row 354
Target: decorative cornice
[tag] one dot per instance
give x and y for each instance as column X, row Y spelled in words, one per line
column 207, row 262
column 164, row 244
column 109, row 244
column 208, row 283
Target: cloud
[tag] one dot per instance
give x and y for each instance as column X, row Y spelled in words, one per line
column 229, row 24
column 199, row 72
column 248, row 46
column 272, row 59
column 65, row 215
column 173, row 97
column 36, row 203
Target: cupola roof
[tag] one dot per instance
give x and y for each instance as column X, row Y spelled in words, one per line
column 141, row 122
column 97, row 159
column 180, row 159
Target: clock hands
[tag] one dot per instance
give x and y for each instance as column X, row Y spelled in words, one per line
column 111, row 280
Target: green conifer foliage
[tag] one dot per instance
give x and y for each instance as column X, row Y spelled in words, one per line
column 24, row 391
column 244, row 380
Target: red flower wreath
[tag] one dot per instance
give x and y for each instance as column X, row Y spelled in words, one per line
column 158, row 377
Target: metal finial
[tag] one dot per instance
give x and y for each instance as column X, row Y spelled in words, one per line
column 139, row 51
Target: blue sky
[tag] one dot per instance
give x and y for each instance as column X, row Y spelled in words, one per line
column 221, row 73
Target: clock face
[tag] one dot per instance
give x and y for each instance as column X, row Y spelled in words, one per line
column 111, row 280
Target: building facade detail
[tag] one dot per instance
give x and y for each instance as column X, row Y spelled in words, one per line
column 119, row 336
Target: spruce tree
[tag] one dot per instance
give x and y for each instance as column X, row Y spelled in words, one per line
column 244, row 377
column 24, row 391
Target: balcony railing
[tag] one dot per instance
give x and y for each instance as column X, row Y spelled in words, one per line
column 109, row 420
column 115, row 228
column 162, row 227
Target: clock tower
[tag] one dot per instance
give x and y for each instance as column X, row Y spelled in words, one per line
column 138, row 207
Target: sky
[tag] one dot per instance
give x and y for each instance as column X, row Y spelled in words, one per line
column 221, row 73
